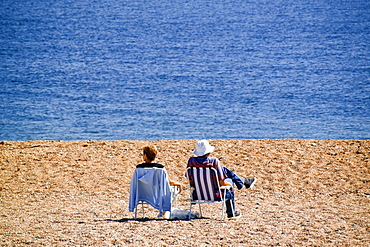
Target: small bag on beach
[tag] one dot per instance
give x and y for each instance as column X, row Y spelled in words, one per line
column 180, row 214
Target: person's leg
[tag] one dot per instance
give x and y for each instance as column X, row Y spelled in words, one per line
column 238, row 181
column 230, row 203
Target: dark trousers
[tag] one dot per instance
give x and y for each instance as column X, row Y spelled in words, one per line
column 238, row 181
column 230, row 202
column 233, row 179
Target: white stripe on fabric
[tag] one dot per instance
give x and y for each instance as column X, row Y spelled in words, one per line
column 210, row 184
column 196, row 183
column 202, row 184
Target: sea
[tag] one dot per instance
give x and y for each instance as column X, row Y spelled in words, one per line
column 184, row 69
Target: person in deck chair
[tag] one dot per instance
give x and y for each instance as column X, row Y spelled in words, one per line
column 226, row 176
column 149, row 155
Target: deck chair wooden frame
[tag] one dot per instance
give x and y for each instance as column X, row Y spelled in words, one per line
column 204, row 183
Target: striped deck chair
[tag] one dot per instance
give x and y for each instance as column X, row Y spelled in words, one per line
column 205, row 187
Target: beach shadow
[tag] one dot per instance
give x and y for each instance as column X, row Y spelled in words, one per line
column 123, row 220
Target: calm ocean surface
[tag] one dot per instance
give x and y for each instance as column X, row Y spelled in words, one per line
column 186, row 69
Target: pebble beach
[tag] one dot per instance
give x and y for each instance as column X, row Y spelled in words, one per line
column 75, row 193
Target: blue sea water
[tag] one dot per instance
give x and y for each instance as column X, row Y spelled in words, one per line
column 186, row 69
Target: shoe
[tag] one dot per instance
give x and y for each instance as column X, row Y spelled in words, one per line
column 237, row 215
column 249, row 182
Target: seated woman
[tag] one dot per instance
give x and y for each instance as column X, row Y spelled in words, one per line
column 149, row 155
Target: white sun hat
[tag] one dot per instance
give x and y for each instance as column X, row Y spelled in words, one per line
column 203, row 148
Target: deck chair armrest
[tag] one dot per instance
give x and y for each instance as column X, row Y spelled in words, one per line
column 225, row 187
